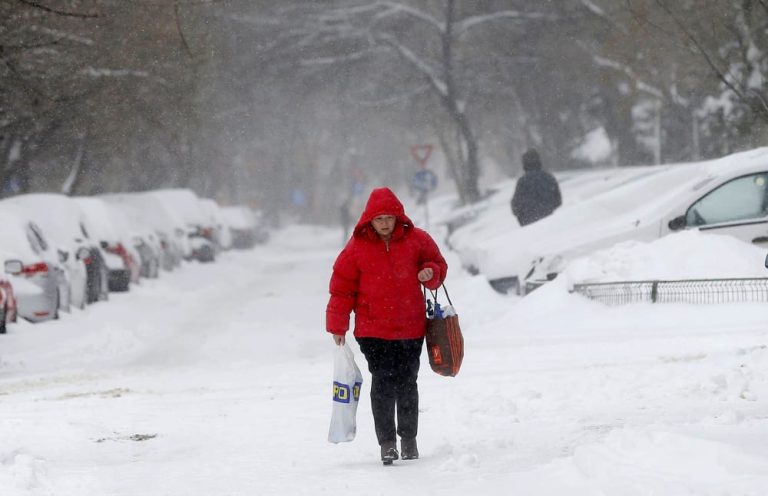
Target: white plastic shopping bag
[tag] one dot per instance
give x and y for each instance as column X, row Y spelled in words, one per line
column 347, row 381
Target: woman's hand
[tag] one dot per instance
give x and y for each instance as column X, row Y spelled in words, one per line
column 426, row 274
column 339, row 339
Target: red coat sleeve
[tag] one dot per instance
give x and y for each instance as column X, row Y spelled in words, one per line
column 433, row 259
column 343, row 288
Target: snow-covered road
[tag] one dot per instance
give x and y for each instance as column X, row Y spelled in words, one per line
column 215, row 380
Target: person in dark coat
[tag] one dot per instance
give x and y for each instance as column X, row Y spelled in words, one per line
column 537, row 193
column 379, row 275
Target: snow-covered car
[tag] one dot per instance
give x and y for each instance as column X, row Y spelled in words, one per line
column 98, row 275
column 493, row 216
column 724, row 196
column 163, row 230
column 63, row 223
column 186, row 205
column 7, row 304
column 150, row 253
column 143, row 237
column 203, row 249
column 39, row 282
column 245, row 226
column 111, row 230
column 221, row 236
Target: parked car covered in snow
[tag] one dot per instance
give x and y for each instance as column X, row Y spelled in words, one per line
column 724, row 196
column 63, row 223
column 493, row 216
column 245, row 226
column 197, row 223
column 7, row 304
column 111, row 230
column 161, row 229
column 39, row 282
column 220, row 234
column 150, row 253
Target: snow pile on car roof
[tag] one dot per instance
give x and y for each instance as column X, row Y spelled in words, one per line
column 680, row 256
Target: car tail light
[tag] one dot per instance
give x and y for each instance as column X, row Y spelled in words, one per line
column 34, row 269
column 163, row 245
column 120, row 251
column 117, row 249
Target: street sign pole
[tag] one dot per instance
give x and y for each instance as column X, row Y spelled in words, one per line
column 424, row 181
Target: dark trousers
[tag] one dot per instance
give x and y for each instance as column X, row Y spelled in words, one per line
column 394, row 367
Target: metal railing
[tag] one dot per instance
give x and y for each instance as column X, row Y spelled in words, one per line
column 697, row 291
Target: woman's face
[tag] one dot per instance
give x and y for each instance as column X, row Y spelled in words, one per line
column 384, row 225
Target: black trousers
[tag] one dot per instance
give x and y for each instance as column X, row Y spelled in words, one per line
column 394, row 367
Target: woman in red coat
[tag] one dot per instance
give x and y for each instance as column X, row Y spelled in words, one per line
column 379, row 274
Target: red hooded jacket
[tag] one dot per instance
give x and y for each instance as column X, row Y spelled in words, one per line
column 379, row 280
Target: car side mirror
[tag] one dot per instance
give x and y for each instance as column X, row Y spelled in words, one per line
column 677, row 224
column 13, row 267
column 83, row 253
column 63, row 256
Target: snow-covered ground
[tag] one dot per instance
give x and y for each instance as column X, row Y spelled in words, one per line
column 216, row 380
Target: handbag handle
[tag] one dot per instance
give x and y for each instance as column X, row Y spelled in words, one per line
column 434, row 294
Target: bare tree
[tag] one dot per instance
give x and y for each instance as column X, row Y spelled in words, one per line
column 422, row 45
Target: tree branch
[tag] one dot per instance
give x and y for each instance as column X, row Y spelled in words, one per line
column 702, row 51
column 397, row 8
column 358, row 55
column 414, row 60
column 38, row 5
column 764, row 5
column 470, row 22
column 28, row 47
column 761, row 99
column 176, row 11
column 391, row 99
column 627, row 71
column 594, row 8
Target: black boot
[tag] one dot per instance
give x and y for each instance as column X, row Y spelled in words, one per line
column 409, row 449
column 389, row 452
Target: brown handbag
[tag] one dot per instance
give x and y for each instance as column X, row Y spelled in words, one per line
column 445, row 343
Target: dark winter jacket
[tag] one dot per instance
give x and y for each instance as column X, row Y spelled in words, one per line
column 537, row 195
column 378, row 279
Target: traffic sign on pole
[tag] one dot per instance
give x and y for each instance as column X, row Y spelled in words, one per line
column 424, row 181
column 421, row 153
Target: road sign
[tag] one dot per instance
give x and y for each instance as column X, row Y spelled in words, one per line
column 424, row 181
column 421, row 153
column 357, row 188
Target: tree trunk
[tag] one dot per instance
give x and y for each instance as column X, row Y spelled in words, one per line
column 452, row 156
column 471, row 173
column 75, row 171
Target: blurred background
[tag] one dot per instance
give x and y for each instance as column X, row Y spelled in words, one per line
column 295, row 106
